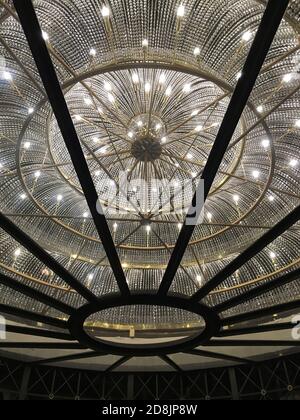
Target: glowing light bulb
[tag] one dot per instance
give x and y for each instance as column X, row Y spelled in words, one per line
column 272, row 255
column 158, row 127
column 239, row 75
column 287, row 78
column 247, row 36
column 86, row 215
column 148, row 229
column 147, row 87
column 256, row 174
column 162, row 79
column 181, row 11
column 111, row 98
column 37, row 174
column 197, row 52
column 107, row 86
column 294, row 163
column 7, row 76
column 105, row 11
column 135, row 78
column 199, row 279
column 93, row 52
column 88, row 101
column 271, row 198
column 45, row 36
column 187, row 88
column 236, row 198
column 17, row 252
column 30, row 111
column 164, row 140
column 266, row 143
column 260, row 109
column 145, row 43
column 23, row 197
column 169, row 91
column 130, row 134
column 27, row 145
column 59, row 198
column 199, row 128
column 140, row 123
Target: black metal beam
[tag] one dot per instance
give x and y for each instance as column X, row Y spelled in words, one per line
column 267, row 30
column 32, row 316
column 258, row 291
column 233, row 332
column 218, row 356
column 35, row 249
column 48, row 75
column 171, row 363
column 35, row 294
column 261, row 313
column 68, row 358
column 249, row 253
column 35, row 332
column 119, row 363
column 253, row 343
column 46, row 346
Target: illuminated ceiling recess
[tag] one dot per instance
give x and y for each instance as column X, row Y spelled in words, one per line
column 158, row 90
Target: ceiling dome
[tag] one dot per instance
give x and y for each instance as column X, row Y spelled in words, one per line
column 147, row 85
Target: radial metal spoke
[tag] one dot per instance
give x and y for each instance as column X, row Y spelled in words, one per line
column 218, row 356
column 233, row 332
column 38, row 333
column 45, row 258
column 170, row 362
column 251, row 252
column 253, row 343
column 35, row 294
column 69, row 358
column 268, row 28
column 48, row 75
column 261, row 313
column 119, row 363
column 32, row 316
column 258, row 291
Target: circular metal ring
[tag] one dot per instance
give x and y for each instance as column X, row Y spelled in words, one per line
column 77, row 320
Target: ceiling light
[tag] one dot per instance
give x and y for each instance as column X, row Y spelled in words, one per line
column 271, row 198
column 158, row 127
column 135, row 78
column 59, row 198
column 45, row 36
column 189, row 156
column 181, row 11
column 164, row 140
column 239, row 75
column 7, row 76
column 272, row 255
column 187, row 88
column 197, row 52
column 236, row 198
column 115, row 227
column 195, row 113
column 78, row 118
column 209, row 216
column 30, row 111
column 199, row 280
column 93, row 52
column 97, row 173
column 162, row 79
column 107, row 86
column 23, row 197
column 294, row 163
column 140, row 124
column 265, row 143
column 37, row 174
column 111, row 97
column 147, row 87
column 145, row 43
column 88, row 101
column 194, row 174
column 287, row 78
column 17, row 252
column 105, row 11
column 130, row 134
column 297, row 124
column 199, row 128
column 27, row 145
column 169, row 91
column 256, row 174
column 96, row 139
column 86, row 215
column 247, row 36
column 260, row 109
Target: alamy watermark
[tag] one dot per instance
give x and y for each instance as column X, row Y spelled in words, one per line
column 155, row 196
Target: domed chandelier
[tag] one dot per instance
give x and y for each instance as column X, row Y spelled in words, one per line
column 117, row 125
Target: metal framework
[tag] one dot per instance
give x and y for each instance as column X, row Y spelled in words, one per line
column 71, row 332
column 273, row 380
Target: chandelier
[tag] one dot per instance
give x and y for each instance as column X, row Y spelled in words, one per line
column 158, row 95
